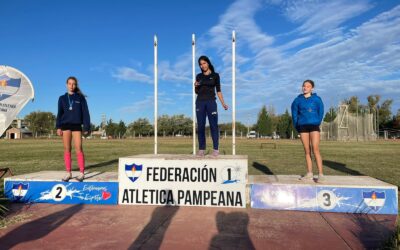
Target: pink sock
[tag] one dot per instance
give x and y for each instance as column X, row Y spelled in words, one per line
column 67, row 161
column 81, row 161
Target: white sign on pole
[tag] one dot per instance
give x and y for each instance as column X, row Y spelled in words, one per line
column 183, row 180
column 15, row 91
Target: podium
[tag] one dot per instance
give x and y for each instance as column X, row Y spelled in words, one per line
column 342, row 194
column 187, row 180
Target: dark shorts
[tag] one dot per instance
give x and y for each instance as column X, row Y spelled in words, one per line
column 308, row 128
column 72, row 127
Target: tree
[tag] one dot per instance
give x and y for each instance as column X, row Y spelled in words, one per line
column 227, row 127
column 165, row 125
column 373, row 101
column 141, row 127
column 121, row 129
column 176, row 124
column 330, row 115
column 352, row 103
column 111, row 128
column 283, row 127
column 396, row 120
column 264, row 122
column 385, row 113
column 41, row 123
column 181, row 125
column 93, row 127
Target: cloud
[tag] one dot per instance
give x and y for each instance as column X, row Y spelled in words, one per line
column 132, row 75
column 322, row 16
column 343, row 58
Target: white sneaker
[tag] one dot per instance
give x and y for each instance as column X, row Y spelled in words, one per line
column 80, row 177
column 307, row 177
column 215, row 152
column 200, row 153
column 321, row 178
column 67, row 177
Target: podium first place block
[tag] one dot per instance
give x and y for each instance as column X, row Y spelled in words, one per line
column 183, row 180
column 47, row 187
column 343, row 194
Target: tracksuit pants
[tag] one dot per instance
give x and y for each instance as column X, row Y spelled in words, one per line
column 208, row 109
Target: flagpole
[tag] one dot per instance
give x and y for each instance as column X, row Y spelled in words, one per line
column 155, row 94
column 233, row 93
column 193, row 93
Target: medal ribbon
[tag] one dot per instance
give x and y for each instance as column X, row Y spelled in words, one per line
column 70, row 102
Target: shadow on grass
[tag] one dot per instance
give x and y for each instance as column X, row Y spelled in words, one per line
column 39, row 228
column 232, row 231
column 102, row 164
column 263, row 168
column 341, row 167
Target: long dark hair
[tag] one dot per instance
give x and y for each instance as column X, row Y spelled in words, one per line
column 205, row 58
column 77, row 89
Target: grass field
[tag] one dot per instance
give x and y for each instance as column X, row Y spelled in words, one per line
column 378, row 159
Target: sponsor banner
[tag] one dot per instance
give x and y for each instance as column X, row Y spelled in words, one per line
column 62, row 192
column 189, row 182
column 324, row 199
column 15, row 91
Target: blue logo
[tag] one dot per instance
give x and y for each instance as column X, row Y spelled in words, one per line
column 374, row 200
column 230, row 175
column 8, row 86
column 19, row 190
column 133, row 171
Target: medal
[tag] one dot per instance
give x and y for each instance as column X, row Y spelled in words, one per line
column 70, row 102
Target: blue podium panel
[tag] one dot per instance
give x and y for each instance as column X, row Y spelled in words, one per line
column 342, row 194
column 45, row 187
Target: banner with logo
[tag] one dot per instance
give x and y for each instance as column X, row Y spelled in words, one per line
column 182, row 180
column 371, row 200
column 15, row 91
column 98, row 193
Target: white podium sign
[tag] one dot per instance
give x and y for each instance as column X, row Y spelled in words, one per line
column 183, row 180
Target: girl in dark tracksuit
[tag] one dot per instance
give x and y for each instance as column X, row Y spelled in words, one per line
column 307, row 114
column 72, row 113
column 206, row 83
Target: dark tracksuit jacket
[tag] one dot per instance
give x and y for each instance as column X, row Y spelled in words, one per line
column 77, row 116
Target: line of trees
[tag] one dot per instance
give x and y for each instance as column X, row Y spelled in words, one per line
column 167, row 126
column 268, row 123
column 381, row 110
column 41, row 123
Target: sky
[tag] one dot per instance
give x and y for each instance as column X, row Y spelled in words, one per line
column 347, row 47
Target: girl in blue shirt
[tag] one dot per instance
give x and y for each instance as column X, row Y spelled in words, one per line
column 72, row 113
column 307, row 114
